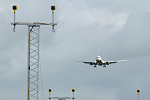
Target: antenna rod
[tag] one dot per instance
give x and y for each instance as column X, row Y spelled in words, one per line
column 14, row 8
column 138, row 91
column 53, row 8
column 73, row 90
column 53, row 22
column 14, row 22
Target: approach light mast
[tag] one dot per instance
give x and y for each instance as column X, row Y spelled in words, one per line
column 61, row 98
column 138, row 91
column 33, row 52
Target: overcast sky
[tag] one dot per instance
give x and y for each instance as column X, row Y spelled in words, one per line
column 114, row 29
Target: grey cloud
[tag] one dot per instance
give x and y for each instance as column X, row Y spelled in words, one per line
column 120, row 29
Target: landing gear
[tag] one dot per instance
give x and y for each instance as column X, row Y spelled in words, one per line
column 94, row 66
column 104, row 66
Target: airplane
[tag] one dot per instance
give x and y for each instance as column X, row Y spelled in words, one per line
column 101, row 62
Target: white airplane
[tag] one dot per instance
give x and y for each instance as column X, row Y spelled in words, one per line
column 100, row 62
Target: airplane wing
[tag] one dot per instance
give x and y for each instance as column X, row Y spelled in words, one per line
column 111, row 62
column 121, row 60
column 90, row 62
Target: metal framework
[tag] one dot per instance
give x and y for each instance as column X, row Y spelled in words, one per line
column 33, row 53
column 33, row 62
column 33, row 57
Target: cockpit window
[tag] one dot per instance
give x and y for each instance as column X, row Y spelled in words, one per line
column 98, row 57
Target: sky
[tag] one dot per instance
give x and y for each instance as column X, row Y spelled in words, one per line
column 113, row 29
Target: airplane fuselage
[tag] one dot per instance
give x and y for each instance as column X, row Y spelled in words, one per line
column 99, row 62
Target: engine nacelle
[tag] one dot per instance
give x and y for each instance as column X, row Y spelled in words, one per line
column 107, row 63
column 91, row 63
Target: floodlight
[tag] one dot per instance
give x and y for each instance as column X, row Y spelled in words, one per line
column 73, row 90
column 14, row 8
column 50, row 90
column 138, row 91
column 53, row 8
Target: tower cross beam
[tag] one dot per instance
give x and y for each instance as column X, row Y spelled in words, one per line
column 35, row 24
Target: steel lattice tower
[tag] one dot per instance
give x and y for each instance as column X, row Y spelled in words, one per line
column 33, row 62
column 33, row 53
